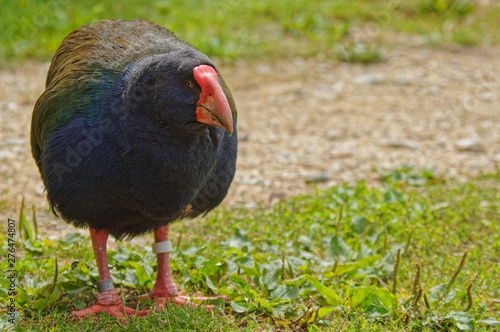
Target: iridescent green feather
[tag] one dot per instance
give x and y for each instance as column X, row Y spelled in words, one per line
column 86, row 65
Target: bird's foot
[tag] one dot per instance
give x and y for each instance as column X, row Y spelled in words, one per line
column 110, row 303
column 161, row 301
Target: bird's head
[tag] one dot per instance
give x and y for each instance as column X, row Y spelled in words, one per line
column 182, row 89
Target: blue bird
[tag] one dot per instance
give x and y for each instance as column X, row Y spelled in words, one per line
column 135, row 129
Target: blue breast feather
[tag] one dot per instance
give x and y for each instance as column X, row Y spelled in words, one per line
column 129, row 175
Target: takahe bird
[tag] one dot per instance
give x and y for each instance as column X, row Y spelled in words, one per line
column 136, row 129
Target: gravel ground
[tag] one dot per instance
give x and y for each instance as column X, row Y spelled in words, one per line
column 303, row 121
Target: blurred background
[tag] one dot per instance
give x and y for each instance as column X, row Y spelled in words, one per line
column 258, row 29
column 327, row 91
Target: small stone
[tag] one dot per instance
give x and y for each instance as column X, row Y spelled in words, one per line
column 250, row 206
column 263, row 69
column 469, row 145
column 403, row 80
column 338, row 86
column 434, row 89
column 16, row 141
column 320, row 177
column 12, row 107
column 40, row 189
column 487, row 96
column 5, row 154
column 341, row 154
column 333, row 134
column 408, row 144
column 370, row 79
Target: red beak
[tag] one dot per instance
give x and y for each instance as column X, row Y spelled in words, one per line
column 213, row 107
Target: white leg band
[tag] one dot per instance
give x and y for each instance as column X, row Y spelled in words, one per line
column 162, row 247
column 105, row 285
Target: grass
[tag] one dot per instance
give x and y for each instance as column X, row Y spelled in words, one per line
column 359, row 53
column 420, row 253
column 255, row 29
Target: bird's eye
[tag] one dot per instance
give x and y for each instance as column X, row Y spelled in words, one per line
column 189, row 84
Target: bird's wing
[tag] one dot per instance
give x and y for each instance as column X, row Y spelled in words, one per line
column 87, row 64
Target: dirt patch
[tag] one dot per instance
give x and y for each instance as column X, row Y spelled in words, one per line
column 325, row 122
column 424, row 107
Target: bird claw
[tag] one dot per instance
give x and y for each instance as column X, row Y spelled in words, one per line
column 160, row 301
column 118, row 311
column 110, row 303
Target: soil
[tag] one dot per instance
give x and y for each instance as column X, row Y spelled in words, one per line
column 305, row 124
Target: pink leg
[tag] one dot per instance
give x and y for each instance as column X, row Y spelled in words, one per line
column 164, row 288
column 107, row 301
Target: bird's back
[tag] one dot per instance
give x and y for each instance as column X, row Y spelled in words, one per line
column 87, row 64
